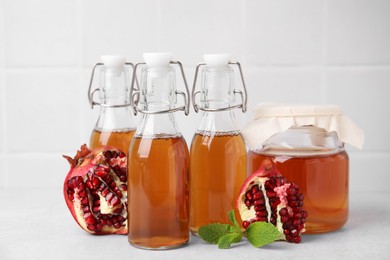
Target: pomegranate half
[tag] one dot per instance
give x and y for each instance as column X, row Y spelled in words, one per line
column 95, row 190
column 267, row 196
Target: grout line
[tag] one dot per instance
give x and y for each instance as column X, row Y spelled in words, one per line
column 81, row 94
column 324, row 80
column 3, row 100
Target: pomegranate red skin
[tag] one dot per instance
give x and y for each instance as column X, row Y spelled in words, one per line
column 283, row 198
column 82, row 164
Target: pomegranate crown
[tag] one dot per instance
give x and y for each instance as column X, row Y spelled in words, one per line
column 79, row 157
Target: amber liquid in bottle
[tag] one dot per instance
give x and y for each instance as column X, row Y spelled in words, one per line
column 117, row 138
column 323, row 179
column 158, row 180
column 218, row 169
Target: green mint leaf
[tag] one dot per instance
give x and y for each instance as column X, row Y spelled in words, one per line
column 232, row 218
column 226, row 240
column 262, row 233
column 213, row 232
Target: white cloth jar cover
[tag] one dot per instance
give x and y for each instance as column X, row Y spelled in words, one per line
column 270, row 119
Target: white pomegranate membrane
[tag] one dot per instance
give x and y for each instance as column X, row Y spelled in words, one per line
column 267, row 196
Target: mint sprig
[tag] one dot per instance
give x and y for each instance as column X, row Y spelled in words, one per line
column 223, row 235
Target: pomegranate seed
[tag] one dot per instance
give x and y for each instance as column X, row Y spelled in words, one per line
column 79, row 179
column 114, row 201
column 123, row 178
column 284, row 219
column 258, row 195
column 296, row 210
column 296, row 222
column 109, row 196
column 261, row 214
column 72, row 183
column 249, row 195
column 105, row 191
column 273, row 221
column 258, row 202
column 90, row 220
column 297, row 215
column 86, row 209
column 283, row 212
column 294, row 232
column 286, row 232
column 271, row 194
column 301, row 197
column 295, row 186
column 245, row 224
column 84, row 201
column 275, row 203
column 260, row 208
column 293, row 203
column 91, row 227
column 297, row 239
column 289, row 238
column 304, row 214
column 255, row 188
column 291, row 197
column 269, row 185
column 261, row 219
column 117, row 225
column 290, row 191
column 248, row 203
column 71, row 196
column 109, row 222
column 301, row 203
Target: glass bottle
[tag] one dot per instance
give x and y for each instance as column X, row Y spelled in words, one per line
column 115, row 125
column 218, row 152
column 158, row 160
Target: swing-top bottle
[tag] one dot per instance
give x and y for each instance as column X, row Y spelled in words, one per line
column 158, row 159
column 218, row 152
column 115, row 125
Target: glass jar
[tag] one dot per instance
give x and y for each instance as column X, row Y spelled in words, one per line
column 306, row 143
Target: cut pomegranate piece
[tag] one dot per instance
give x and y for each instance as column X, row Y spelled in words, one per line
column 267, row 196
column 95, row 190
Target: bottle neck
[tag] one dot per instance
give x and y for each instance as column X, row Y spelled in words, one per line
column 115, row 119
column 158, row 126
column 114, row 87
column 220, row 121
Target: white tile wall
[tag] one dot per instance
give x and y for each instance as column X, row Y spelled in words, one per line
column 43, row 110
column 364, row 95
column 284, row 32
column 323, row 51
column 41, row 33
column 358, row 32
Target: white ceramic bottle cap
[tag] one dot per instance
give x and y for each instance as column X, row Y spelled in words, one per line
column 158, row 59
column 217, row 60
column 113, row 60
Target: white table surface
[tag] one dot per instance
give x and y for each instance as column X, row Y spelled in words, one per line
column 35, row 224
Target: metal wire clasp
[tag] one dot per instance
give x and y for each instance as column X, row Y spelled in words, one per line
column 243, row 95
column 92, row 92
column 135, row 93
